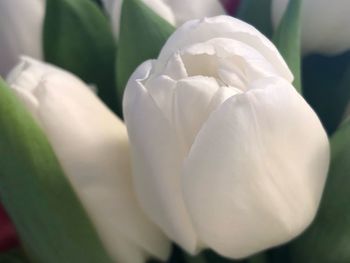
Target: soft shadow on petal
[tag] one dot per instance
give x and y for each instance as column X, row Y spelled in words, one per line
column 233, row 62
column 256, row 171
column 197, row 31
column 157, row 159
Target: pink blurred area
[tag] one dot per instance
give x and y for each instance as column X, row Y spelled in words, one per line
column 231, row 6
column 8, row 236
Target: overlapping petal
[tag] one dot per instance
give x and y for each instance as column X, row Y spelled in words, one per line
column 197, row 31
column 156, row 172
column 255, row 174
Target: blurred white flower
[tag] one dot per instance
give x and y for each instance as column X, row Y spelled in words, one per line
column 91, row 144
column 325, row 24
column 225, row 153
column 176, row 12
column 20, row 31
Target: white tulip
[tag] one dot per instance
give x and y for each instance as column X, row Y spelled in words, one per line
column 176, row 12
column 20, row 31
column 226, row 154
column 91, row 144
column 325, row 24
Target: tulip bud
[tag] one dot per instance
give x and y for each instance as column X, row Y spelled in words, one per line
column 225, row 153
column 324, row 24
column 91, row 145
column 176, row 12
column 20, row 31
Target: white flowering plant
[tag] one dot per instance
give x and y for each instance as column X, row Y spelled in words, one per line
column 137, row 131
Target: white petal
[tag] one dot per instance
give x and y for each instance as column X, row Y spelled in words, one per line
column 233, row 62
column 26, row 77
column 157, row 159
column 186, row 103
column 20, row 31
column 256, row 172
column 175, row 68
column 91, row 144
column 324, row 24
column 194, row 100
column 197, row 31
column 161, row 90
column 194, row 9
column 190, row 108
column 127, row 252
column 29, row 72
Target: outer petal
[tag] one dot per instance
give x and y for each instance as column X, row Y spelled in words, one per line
column 20, row 31
column 125, row 251
column 256, row 172
column 157, row 160
column 194, row 9
column 324, row 24
column 196, row 31
column 92, row 147
column 192, row 106
column 113, row 7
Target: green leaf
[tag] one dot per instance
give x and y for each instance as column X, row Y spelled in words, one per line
column 258, row 14
column 328, row 239
column 287, row 38
column 49, row 218
column 326, row 87
column 78, row 37
column 142, row 35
